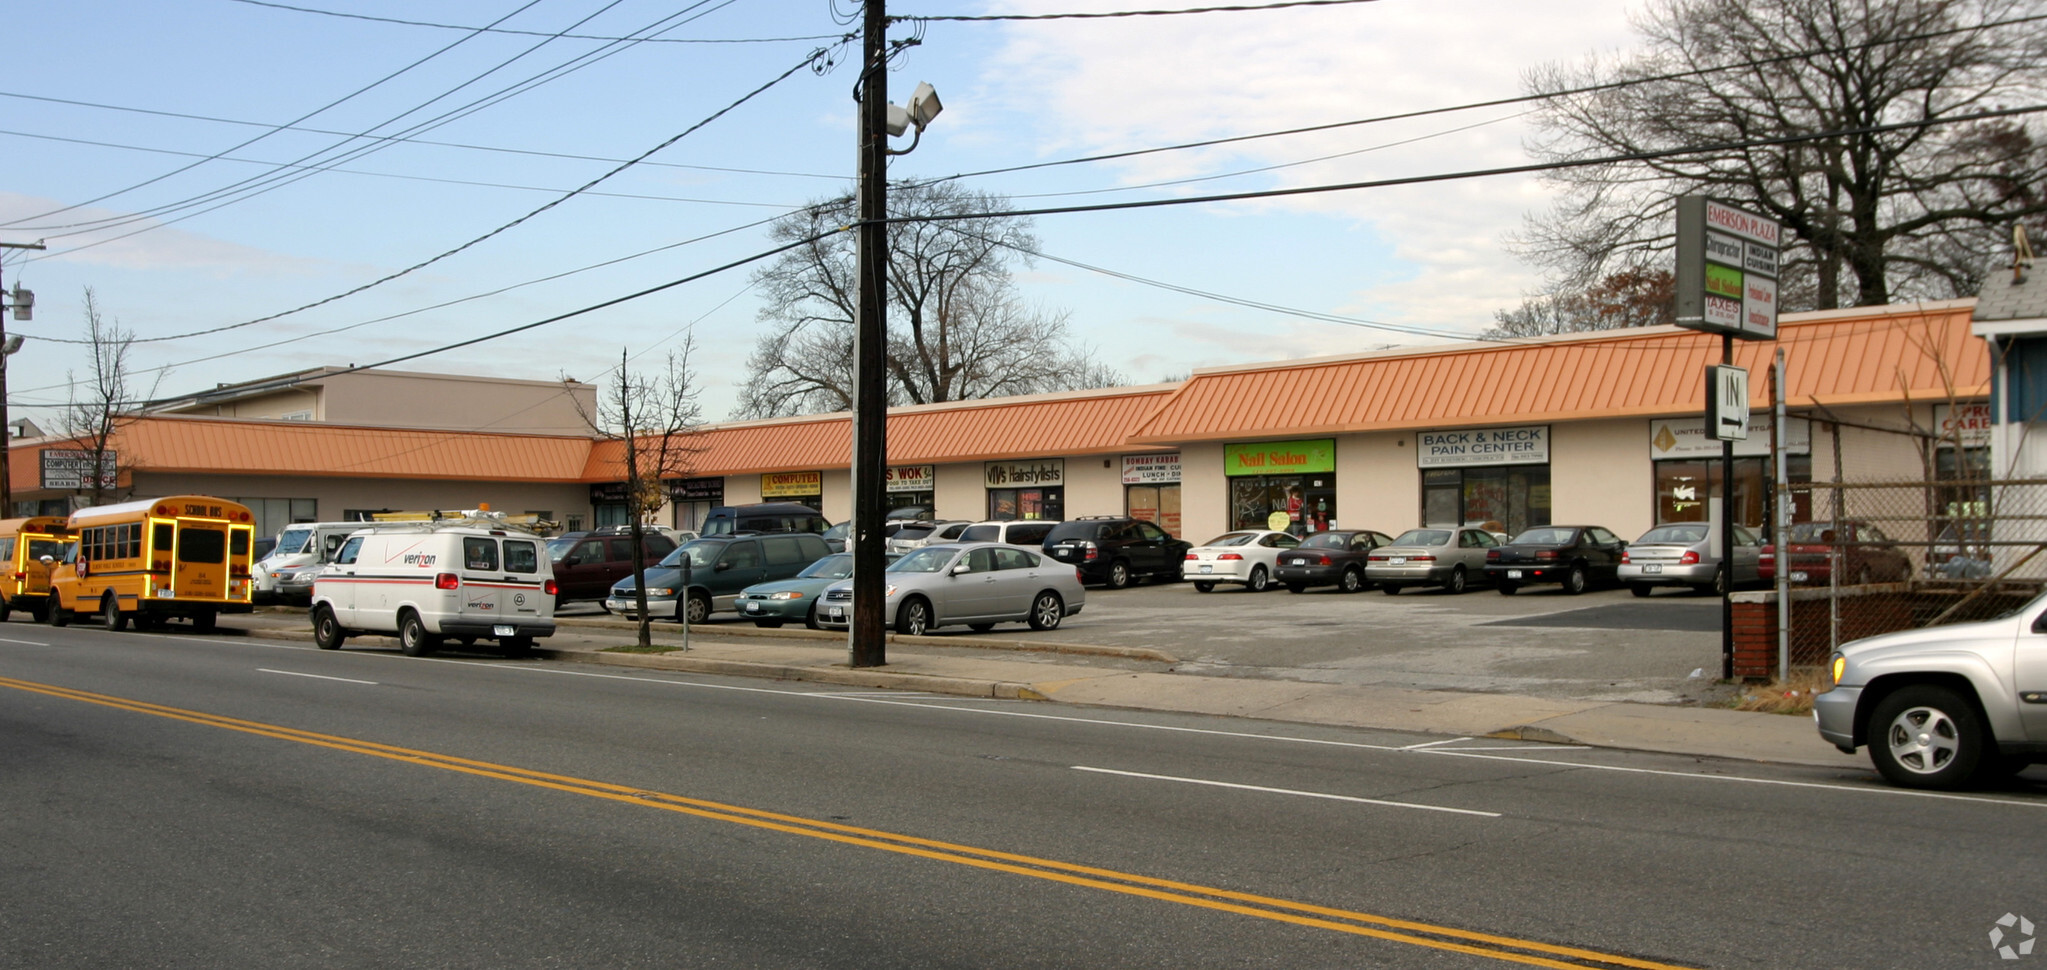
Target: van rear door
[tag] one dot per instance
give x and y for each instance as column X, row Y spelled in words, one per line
column 199, row 569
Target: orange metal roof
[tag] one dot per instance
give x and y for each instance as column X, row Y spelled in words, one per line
column 1831, row 358
column 1078, row 423
column 199, row 445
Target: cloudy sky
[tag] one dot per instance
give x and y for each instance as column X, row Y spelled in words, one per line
column 193, row 164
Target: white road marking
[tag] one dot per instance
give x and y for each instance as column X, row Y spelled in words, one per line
column 30, row 643
column 294, row 673
column 986, row 712
column 1286, row 791
column 1431, row 744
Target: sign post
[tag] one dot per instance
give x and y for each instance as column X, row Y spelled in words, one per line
column 1727, row 284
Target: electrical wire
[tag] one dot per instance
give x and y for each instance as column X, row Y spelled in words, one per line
column 532, row 33
column 494, row 232
column 416, row 141
column 1242, row 8
column 331, row 104
column 396, row 175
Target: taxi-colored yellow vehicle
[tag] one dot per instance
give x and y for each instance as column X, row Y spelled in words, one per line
column 151, row 559
column 24, row 575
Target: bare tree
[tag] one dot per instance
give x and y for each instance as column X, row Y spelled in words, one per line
column 957, row 328
column 657, row 418
column 99, row 406
column 1914, row 212
column 1629, row 298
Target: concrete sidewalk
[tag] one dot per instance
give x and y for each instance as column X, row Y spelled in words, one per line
column 1145, row 679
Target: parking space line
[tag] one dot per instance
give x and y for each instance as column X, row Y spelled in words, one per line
column 294, row 673
column 1431, row 744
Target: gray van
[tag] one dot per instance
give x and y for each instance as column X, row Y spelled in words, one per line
column 719, row 568
column 767, row 517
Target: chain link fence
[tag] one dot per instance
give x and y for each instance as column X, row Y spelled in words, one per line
column 1872, row 557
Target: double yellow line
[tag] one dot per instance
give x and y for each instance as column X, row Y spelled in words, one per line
column 1505, row 948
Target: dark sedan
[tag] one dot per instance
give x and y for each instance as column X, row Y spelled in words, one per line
column 1334, row 558
column 1575, row 556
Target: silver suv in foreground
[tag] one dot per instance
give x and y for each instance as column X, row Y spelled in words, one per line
column 1947, row 705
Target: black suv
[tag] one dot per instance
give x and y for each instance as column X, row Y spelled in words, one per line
column 766, row 517
column 587, row 563
column 1115, row 550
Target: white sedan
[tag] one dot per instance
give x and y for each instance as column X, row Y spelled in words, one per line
column 1247, row 556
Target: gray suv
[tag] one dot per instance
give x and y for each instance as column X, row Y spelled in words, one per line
column 1947, row 705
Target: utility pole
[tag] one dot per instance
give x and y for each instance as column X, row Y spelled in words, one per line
column 8, row 345
column 870, row 396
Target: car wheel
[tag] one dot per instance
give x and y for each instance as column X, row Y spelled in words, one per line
column 1926, row 737
column 59, row 616
column 1119, row 574
column 1863, row 577
column 1507, row 588
column 1719, row 587
column 980, row 627
column 913, row 618
column 1351, row 582
column 1204, row 586
column 40, row 612
column 810, row 619
column 1639, row 589
column 412, row 636
column 1574, row 581
column 1046, row 611
column 6, row 608
column 1259, row 581
column 1457, row 582
column 695, row 608
column 110, row 613
column 327, row 633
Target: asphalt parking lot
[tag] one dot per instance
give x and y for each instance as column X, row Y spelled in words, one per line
column 1603, row 645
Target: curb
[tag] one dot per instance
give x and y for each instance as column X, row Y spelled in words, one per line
column 799, row 633
column 841, row 676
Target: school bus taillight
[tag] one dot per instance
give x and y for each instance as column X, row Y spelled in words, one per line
column 447, row 581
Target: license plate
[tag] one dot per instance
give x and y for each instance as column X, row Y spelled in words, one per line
column 752, row 607
column 1797, row 577
column 1297, row 562
column 1513, row 574
column 838, row 613
column 1207, row 568
column 1398, row 560
column 1652, row 568
column 504, row 630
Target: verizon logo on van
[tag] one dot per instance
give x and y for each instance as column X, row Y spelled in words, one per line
column 419, row 559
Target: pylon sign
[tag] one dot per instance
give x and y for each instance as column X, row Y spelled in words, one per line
column 1726, row 269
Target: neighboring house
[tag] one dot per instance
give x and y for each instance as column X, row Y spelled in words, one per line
column 400, row 399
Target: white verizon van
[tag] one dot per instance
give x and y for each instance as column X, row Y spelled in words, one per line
column 436, row 582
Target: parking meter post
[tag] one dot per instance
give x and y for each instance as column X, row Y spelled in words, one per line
column 684, row 602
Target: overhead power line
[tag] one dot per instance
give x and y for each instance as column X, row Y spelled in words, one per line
column 721, row 112
column 1111, row 14
column 534, row 33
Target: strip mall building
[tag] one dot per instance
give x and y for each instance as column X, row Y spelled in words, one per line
column 1598, row 429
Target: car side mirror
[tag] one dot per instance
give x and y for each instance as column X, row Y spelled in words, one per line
column 2040, row 623
column 573, row 561
column 721, row 567
column 961, row 568
column 49, row 560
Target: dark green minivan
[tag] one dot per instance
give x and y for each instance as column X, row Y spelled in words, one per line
column 718, row 567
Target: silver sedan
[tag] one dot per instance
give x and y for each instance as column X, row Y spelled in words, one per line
column 979, row 584
column 1450, row 557
column 1681, row 554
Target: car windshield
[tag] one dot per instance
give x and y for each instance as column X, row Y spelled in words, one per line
column 1546, row 537
column 830, row 567
column 1233, row 539
column 699, row 554
column 1677, row 535
column 1423, row 537
column 559, row 547
column 292, row 542
column 930, row 559
column 1327, row 540
column 910, row 531
column 838, row 531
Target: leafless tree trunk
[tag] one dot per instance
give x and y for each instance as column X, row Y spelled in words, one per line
column 97, row 407
column 1916, row 212
column 657, row 418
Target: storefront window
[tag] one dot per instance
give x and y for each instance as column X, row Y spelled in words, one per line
column 1289, row 485
column 1006, row 504
column 1156, row 504
column 1500, row 499
column 1684, row 487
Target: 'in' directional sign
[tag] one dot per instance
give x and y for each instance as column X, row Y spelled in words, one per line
column 1726, row 403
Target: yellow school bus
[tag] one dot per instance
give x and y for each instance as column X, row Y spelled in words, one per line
column 24, row 576
column 148, row 560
